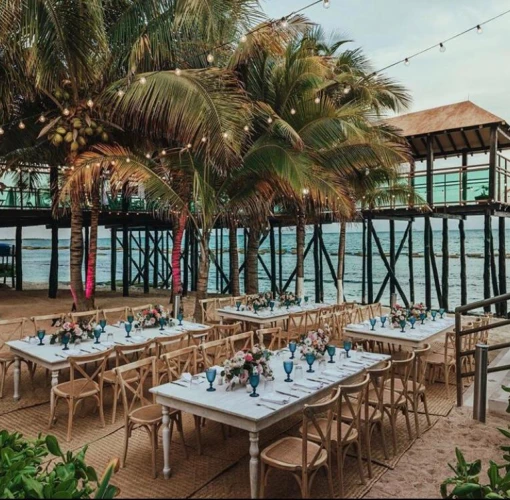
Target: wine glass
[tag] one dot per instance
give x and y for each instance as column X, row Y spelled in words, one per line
column 292, row 348
column 254, row 382
column 40, row 335
column 65, row 340
column 442, row 311
column 434, row 314
column 255, row 308
column 97, row 334
column 347, row 347
column 288, row 367
column 161, row 323
column 109, row 338
column 130, row 319
column 102, row 324
column 211, row 376
column 412, row 320
column 306, row 299
column 128, row 326
column 238, row 305
column 373, row 322
column 331, row 352
column 287, row 303
column 271, row 305
column 180, row 316
column 422, row 317
column 383, row 320
column 298, row 301
column 310, row 359
column 402, row 324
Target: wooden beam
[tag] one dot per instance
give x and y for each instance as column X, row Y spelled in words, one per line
column 493, row 154
column 146, row 263
column 439, row 215
column 426, row 260
column 434, row 268
column 370, row 275
column 445, row 266
column 466, row 140
column 19, row 258
column 364, row 263
column 440, row 147
column 452, row 142
column 502, row 264
column 480, row 138
column 463, row 267
column 487, row 260
column 494, row 275
column 411, row 263
column 499, row 213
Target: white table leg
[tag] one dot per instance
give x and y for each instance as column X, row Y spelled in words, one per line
column 54, row 378
column 166, row 443
column 254, row 464
column 17, row 374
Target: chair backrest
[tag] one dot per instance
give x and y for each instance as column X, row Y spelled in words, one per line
column 199, row 336
column 420, row 365
column 133, row 389
column 311, row 321
column 214, row 353
column 240, row 342
column 268, row 337
column 224, row 331
column 208, row 309
column 141, row 350
column 351, row 402
column 339, row 307
column 49, row 322
column 378, row 379
column 181, row 361
column 137, row 309
column 78, row 372
column 364, row 313
column 401, row 370
column 85, row 317
column 375, row 309
column 350, row 305
column 166, row 343
column 114, row 315
column 11, row 329
column 313, row 416
column 297, row 323
column 224, row 302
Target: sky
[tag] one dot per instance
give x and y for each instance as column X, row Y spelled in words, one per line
column 474, row 66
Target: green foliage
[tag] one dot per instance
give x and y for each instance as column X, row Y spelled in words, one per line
column 24, row 473
column 467, row 482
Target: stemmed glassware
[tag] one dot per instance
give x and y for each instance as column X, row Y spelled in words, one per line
column 292, row 349
column 287, row 303
column 102, row 324
column 128, row 326
column 347, row 347
column 288, row 366
column 211, row 376
column 331, row 352
column 434, row 314
column 256, row 308
column 271, row 305
column 238, row 305
column 254, row 382
column 161, row 323
column 373, row 322
column 180, row 316
column 310, row 359
column 423, row 316
column 402, row 324
column 97, row 333
column 40, row 335
column 383, row 320
column 298, row 301
column 442, row 311
column 306, row 299
column 130, row 319
column 412, row 320
column 65, row 340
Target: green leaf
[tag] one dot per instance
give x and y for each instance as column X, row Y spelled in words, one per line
column 462, row 490
column 53, row 446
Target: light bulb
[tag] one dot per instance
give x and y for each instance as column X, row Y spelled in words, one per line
column 317, row 100
column 210, row 58
column 147, row 155
column 246, row 128
column 225, row 135
column 178, row 72
column 269, row 120
column 244, row 38
column 406, row 62
column 284, row 23
column 347, row 89
column 143, row 80
column 163, row 152
column 326, row 4
column 292, row 111
column 66, row 112
column 204, row 139
column 306, row 191
column 120, row 93
column 42, row 118
column 2, row 131
column 90, row 103
column 128, row 159
column 442, row 47
column 188, row 145
column 479, row 29
column 21, row 125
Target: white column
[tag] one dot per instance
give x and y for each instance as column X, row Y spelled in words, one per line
column 17, row 373
column 54, row 378
column 300, row 287
column 166, row 443
column 339, row 292
column 254, row 464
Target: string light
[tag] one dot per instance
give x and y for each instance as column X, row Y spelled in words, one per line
column 244, row 38
column 225, row 135
column 406, row 62
column 292, row 111
column 317, row 100
column 246, row 128
column 90, row 103
column 326, row 4
column 269, row 120
column 2, row 131
column 189, row 146
column 66, row 112
column 204, row 139
column 210, row 58
column 147, row 155
column 347, row 89
column 178, row 72
column 42, row 118
column 442, row 47
column 21, row 125
column 284, row 23
column 120, row 93
column 143, row 80
column 128, row 160
column 479, row 29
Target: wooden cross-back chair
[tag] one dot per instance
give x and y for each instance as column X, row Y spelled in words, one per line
column 181, row 361
column 297, row 325
column 225, row 331
column 140, row 410
column 48, row 322
column 125, row 354
column 198, row 337
column 85, row 317
column 224, row 302
column 240, row 342
column 81, row 386
column 444, row 361
column 136, row 309
column 11, row 329
column 375, row 309
column 311, row 320
column 208, row 312
column 214, row 353
column 268, row 337
column 165, row 344
column 114, row 315
column 304, row 456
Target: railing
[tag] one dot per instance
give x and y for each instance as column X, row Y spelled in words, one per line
column 480, row 352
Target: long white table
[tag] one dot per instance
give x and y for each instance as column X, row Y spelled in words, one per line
column 414, row 338
column 54, row 358
column 237, row 409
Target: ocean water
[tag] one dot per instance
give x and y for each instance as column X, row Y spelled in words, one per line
column 36, row 263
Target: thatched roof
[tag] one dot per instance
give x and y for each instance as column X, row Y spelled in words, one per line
column 454, row 128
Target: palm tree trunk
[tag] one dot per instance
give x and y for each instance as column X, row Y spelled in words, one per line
column 203, row 274
column 179, row 227
column 300, row 255
column 90, row 287
column 341, row 260
column 235, row 288
column 252, row 261
column 76, row 258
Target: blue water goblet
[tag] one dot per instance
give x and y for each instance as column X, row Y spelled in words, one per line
column 271, row 305
column 292, row 349
column 180, row 316
column 102, row 324
column 40, row 335
column 287, row 303
column 256, row 308
column 254, row 382
column 97, row 333
column 310, row 359
column 161, row 323
column 402, row 324
column 288, row 366
column 306, row 299
column 383, row 320
column 298, row 301
column 434, row 314
column 66, row 338
column 423, row 316
column 442, row 310
column 130, row 319
column 347, row 347
column 412, row 320
column 211, row 376
column 128, row 326
column 331, row 352
column 238, row 305
column 373, row 322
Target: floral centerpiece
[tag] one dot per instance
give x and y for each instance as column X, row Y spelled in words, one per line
column 76, row 331
column 238, row 369
column 416, row 310
column 315, row 342
column 259, row 301
column 288, row 298
column 149, row 318
column 397, row 314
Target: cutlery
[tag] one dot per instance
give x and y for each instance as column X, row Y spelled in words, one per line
column 302, row 389
column 316, row 380
column 96, row 348
column 60, row 356
column 178, row 383
column 266, row 406
column 84, row 350
column 288, row 394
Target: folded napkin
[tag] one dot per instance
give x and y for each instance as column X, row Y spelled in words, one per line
column 354, row 326
column 275, row 398
column 74, row 352
column 307, row 384
column 187, row 377
column 107, row 344
column 138, row 338
column 330, row 373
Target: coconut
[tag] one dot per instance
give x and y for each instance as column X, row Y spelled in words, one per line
column 57, row 139
column 61, row 131
column 82, row 141
column 104, row 137
column 77, row 124
column 69, row 137
column 89, row 131
column 74, row 146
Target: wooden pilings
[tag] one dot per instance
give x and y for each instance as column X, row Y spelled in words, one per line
column 487, row 259
column 19, row 258
column 445, row 265
column 502, row 264
column 426, row 259
column 370, row 271
column 53, row 278
column 463, row 266
column 410, row 262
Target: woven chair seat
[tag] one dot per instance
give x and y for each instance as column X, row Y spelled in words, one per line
column 373, row 414
column 374, row 401
column 323, row 423
column 399, row 386
column 82, row 388
column 287, row 453
column 438, row 359
column 6, row 357
column 110, row 377
column 150, row 414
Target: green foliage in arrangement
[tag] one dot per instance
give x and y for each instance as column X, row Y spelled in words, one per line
column 23, row 473
column 467, row 482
